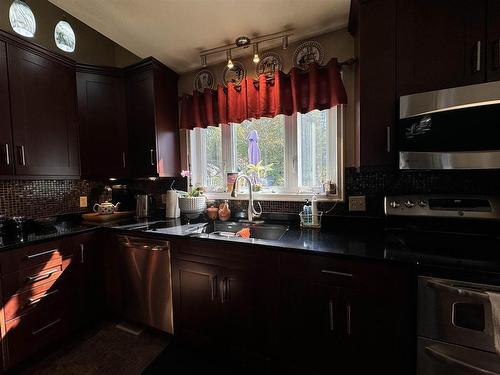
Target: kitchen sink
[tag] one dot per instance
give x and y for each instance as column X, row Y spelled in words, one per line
column 271, row 232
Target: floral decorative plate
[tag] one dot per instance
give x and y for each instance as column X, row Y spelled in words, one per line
column 269, row 63
column 235, row 75
column 204, row 79
column 307, row 53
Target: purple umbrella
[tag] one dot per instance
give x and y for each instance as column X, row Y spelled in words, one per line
column 253, row 150
column 253, row 147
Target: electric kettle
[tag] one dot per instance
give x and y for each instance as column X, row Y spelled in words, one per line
column 144, row 205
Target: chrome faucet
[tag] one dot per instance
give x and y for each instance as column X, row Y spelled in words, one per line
column 252, row 212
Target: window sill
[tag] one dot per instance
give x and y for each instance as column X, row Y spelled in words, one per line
column 275, row 197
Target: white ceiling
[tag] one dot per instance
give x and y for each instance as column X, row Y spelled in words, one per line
column 173, row 31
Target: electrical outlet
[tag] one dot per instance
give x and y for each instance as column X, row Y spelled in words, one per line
column 357, row 203
column 83, row 202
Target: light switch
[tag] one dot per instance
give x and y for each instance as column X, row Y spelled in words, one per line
column 83, row 202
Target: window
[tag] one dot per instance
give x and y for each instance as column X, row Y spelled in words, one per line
column 22, row 19
column 64, row 36
column 285, row 157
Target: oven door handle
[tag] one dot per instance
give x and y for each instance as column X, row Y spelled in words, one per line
column 457, row 362
column 461, row 291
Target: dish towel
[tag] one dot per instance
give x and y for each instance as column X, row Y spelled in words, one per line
column 495, row 313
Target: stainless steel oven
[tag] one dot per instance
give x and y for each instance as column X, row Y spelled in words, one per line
column 456, row 128
column 456, row 333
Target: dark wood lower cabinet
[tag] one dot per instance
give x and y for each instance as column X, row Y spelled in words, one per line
column 307, row 314
column 225, row 297
column 48, row 297
column 346, row 316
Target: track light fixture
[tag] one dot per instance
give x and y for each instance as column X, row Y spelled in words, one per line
column 256, row 57
column 244, row 42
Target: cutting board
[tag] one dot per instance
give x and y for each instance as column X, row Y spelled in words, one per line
column 96, row 218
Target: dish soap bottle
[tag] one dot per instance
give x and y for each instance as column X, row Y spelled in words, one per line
column 224, row 211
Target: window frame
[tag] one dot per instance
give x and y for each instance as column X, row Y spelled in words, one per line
column 195, row 147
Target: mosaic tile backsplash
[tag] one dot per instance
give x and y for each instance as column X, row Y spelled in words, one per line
column 42, row 198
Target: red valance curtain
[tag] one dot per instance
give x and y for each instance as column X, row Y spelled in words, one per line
column 318, row 87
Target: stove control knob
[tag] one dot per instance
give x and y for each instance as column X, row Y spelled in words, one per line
column 409, row 204
column 422, row 204
column 394, row 204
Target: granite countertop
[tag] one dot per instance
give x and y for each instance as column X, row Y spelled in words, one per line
column 352, row 237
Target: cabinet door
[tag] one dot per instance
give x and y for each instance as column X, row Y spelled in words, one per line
column 196, row 299
column 493, row 38
column 376, row 79
column 103, row 128
column 441, row 44
column 43, row 102
column 6, row 161
column 313, row 331
column 141, row 123
column 248, row 298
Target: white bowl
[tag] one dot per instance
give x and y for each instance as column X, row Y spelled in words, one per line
column 192, row 205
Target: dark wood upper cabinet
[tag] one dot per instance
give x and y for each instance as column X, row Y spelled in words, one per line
column 103, row 125
column 152, row 113
column 44, row 116
column 375, row 45
column 440, row 44
column 6, row 157
column 493, row 41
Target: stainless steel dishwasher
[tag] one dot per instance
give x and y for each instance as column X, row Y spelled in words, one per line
column 145, row 280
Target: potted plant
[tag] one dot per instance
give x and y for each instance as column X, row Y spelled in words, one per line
column 192, row 201
column 257, row 172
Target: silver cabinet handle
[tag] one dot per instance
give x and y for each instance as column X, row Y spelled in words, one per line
column 23, row 155
column 42, row 276
column 223, row 291
column 152, row 154
column 123, row 160
column 37, row 331
column 330, row 314
column 82, row 251
column 348, row 318
column 478, row 57
column 213, row 287
column 498, row 54
column 388, row 138
column 457, row 362
column 34, row 301
column 7, row 156
column 336, row 273
column 28, row 257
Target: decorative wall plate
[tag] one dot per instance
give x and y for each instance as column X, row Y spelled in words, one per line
column 307, row 53
column 235, row 75
column 269, row 63
column 204, row 79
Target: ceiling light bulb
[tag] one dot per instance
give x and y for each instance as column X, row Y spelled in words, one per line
column 256, row 57
column 230, row 64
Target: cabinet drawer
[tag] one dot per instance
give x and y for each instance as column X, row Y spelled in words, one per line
column 37, row 330
column 321, row 269
column 23, row 303
column 51, row 273
column 31, row 256
column 235, row 252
